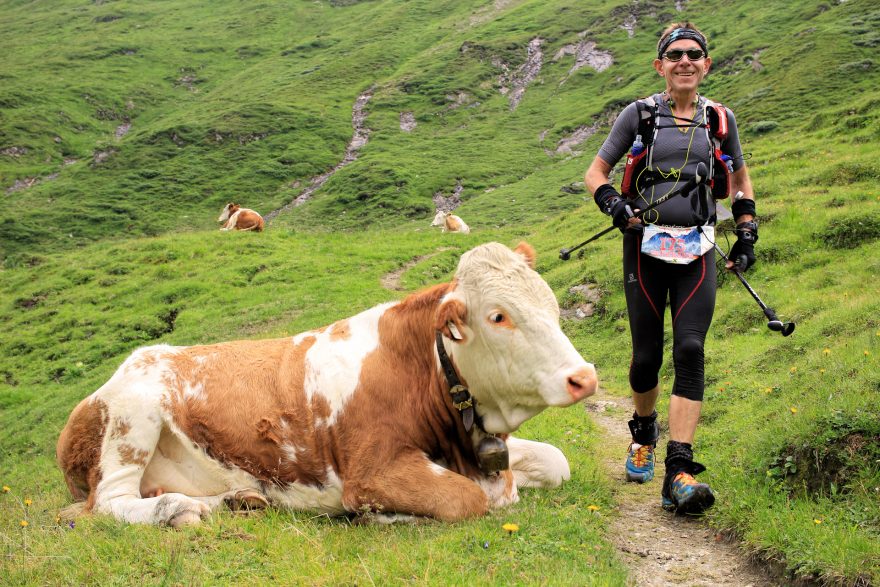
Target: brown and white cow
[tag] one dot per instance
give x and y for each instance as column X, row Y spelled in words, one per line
column 238, row 218
column 353, row 417
column 450, row 222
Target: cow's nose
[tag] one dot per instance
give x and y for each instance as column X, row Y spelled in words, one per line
column 582, row 383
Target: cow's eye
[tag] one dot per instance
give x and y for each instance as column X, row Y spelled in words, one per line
column 497, row 318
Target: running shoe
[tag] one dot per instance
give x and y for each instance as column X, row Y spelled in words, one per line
column 686, row 495
column 640, row 463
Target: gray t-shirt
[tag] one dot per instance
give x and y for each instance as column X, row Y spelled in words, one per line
column 674, row 158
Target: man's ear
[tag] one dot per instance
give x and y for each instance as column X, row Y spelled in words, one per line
column 658, row 66
column 526, row 250
column 450, row 320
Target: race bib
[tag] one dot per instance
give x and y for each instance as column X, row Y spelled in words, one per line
column 675, row 244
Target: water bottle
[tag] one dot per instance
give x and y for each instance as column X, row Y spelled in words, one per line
column 637, row 146
column 728, row 160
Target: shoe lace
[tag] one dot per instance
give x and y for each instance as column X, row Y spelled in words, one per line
column 642, row 455
column 685, row 479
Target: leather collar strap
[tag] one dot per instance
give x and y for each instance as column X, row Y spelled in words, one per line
column 461, row 397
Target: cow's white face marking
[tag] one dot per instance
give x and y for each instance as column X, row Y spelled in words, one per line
column 439, row 218
column 224, row 215
column 515, row 357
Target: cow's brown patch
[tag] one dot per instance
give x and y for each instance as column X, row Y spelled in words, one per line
column 321, row 407
column 131, row 455
column 121, row 428
column 79, row 448
column 393, row 427
column 341, row 330
column 144, row 360
column 254, row 405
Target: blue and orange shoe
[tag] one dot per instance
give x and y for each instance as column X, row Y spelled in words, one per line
column 686, row 495
column 640, row 463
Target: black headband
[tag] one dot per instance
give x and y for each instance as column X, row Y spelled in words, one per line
column 679, row 34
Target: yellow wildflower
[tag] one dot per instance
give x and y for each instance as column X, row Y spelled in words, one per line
column 821, row 371
column 817, row 521
column 768, row 390
column 28, row 501
column 511, row 528
column 793, row 370
column 23, row 524
column 826, row 351
column 6, row 489
column 867, row 354
column 593, row 508
column 793, row 410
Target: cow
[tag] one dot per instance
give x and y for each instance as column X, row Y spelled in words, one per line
column 238, row 218
column 450, row 222
column 384, row 413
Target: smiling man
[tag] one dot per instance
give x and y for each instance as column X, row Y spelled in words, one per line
column 667, row 252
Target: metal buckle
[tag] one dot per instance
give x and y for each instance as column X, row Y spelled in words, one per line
column 466, row 403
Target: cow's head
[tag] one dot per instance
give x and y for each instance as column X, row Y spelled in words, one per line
column 228, row 211
column 508, row 346
column 439, row 218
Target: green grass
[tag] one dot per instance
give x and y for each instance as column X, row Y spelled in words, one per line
column 248, row 103
column 236, row 285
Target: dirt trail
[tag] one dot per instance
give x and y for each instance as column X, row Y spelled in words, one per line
column 660, row 548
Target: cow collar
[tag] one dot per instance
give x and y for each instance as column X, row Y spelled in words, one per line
column 462, row 399
column 491, row 453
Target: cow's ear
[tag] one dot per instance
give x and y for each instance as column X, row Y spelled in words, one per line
column 450, row 320
column 526, row 250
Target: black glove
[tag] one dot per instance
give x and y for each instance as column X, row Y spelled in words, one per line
column 620, row 213
column 742, row 253
column 612, row 203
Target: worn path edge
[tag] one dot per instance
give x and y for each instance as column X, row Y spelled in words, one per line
column 660, row 548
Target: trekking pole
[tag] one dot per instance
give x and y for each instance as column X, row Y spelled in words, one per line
column 773, row 322
column 697, row 179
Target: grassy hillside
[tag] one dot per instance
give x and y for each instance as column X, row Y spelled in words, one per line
column 125, row 127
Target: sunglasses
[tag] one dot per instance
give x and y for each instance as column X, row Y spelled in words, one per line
column 677, row 54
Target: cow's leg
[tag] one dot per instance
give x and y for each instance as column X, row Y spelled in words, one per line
column 129, row 445
column 412, row 484
column 537, row 464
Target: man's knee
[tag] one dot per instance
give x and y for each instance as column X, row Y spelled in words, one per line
column 643, row 372
column 687, row 351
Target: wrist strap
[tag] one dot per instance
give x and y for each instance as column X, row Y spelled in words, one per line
column 743, row 206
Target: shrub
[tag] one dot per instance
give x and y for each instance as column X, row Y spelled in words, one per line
column 849, row 233
column 763, row 126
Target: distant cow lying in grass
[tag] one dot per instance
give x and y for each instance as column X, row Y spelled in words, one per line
column 385, row 412
column 450, row 222
column 238, row 218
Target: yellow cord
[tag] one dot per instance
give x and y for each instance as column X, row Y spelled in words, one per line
column 673, row 172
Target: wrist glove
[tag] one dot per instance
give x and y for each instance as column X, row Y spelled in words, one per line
column 620, row 213
column 613, row 204
column 742, row 253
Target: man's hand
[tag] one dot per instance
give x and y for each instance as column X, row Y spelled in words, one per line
column 742, row 253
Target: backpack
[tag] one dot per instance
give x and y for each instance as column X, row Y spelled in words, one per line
column 639, row 161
